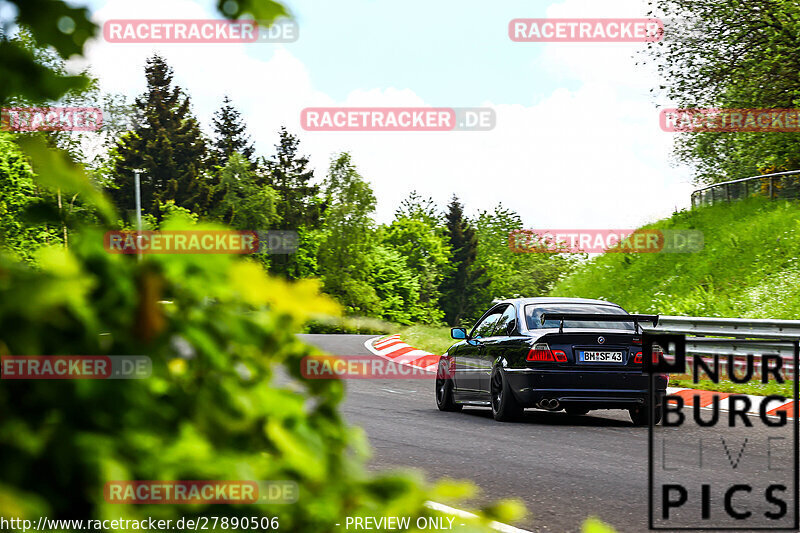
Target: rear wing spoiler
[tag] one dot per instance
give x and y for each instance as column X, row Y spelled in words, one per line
column 599, row 317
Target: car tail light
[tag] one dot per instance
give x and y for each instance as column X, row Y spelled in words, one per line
column 542, row 352
column 658, row 352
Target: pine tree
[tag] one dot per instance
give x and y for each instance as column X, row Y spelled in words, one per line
column 463, row 279
column 239, row 200
column 299, row 205
column 230, row 134
column 289, row 175
column 416, row 206
column 166, row 145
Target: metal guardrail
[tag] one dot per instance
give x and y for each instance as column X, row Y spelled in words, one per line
column 703, row 337
column 774, row 185
column 762, row 328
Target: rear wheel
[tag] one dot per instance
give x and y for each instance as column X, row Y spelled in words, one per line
column 444, row 390
column 640, row 415
column 504, row 406
column 576, row 410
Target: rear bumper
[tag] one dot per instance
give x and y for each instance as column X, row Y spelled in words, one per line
column 588, row 389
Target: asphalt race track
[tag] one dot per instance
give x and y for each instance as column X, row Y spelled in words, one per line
column 565, row 468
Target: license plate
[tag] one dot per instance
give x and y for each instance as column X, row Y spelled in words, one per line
column 599, row 357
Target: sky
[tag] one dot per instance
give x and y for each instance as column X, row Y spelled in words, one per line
column 576, row 144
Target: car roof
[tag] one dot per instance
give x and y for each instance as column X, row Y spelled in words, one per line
column 553, row 300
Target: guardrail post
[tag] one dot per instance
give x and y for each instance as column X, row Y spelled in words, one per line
column 770, row 187
column 728, row 192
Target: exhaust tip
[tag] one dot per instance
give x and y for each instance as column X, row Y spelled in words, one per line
column 548, row 403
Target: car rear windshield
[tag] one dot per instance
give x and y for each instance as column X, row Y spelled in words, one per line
column 534, row 313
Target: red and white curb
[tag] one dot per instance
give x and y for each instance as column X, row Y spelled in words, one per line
column 706, row 397
column 393, row 349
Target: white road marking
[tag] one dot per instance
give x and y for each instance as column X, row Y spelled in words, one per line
column 499, row 526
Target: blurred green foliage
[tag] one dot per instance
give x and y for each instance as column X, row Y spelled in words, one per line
column 212, row 409
column 595, row 525
column 51, row 23
column 226, row 399
column 17, row 200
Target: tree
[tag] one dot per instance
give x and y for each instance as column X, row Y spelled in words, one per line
column 463, row 278
column 514, row 274
column 18, row 196
column 737, row 54
column 167, row 146
column 416, row 207
column 231, row 134
column 289, row 175
column 397, row 287
column 417, row 235
column 349, row 238
column 299, row 205
column 243, row 203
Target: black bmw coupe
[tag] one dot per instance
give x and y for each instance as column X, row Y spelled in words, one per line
column 551, row 353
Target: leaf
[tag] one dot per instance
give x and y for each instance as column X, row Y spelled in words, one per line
column 300, row 299
column 295, row 451
column 264, row 11
column 450, row 490
column 594, row 525
column 54, row 169
column 509, row 510
column 55, row 23
column 24, row 78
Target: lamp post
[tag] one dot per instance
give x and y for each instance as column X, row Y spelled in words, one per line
column 138, row 193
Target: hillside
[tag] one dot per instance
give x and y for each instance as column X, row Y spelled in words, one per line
column 748, row 267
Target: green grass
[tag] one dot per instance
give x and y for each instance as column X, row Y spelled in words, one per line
column 749, row 267
column 785, row 389
column 434, row 339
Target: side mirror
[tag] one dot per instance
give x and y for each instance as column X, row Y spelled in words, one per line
column 458, row 333
column 511, row 328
